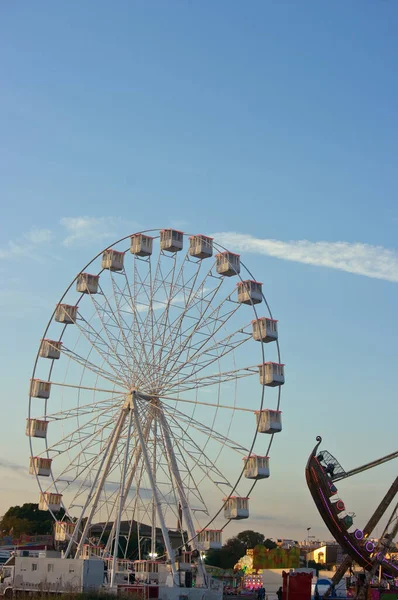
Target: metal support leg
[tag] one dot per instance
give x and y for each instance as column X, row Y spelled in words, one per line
column 109, row 458
column 155, row 492
column 121, row 501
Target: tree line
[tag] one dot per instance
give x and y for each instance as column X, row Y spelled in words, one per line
column 235, row 547
column 29, row 520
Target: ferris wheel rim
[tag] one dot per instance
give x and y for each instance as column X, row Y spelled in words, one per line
column 253, row 306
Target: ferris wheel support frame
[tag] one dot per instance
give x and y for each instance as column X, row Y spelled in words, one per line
column 130, row 480
column 153, row 532
column 162, row 522
column 121, row 500
column 180, row 490
column 73, row 537
column 115, row 438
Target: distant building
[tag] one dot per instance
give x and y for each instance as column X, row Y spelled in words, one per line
column 286, row 543
column 325, row 555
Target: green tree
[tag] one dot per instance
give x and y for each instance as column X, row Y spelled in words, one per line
column 250, row 538
column 235, row 548
column 314, row 565
column 29, row 520
column 228, row 556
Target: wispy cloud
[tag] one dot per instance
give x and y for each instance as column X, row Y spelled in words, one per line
column 362, row 259
column 39, row 236
column 83, row 231
column 6, row 464
column 26, row 244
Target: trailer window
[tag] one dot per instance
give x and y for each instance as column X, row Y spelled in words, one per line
column 50, row 568
column 34, row 566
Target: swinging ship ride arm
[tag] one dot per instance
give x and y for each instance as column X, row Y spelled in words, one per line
column 323, row 490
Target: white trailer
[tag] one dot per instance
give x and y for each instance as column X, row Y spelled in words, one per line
column 51, row 575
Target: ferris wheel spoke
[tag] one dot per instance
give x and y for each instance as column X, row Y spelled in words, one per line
column 77, row 439
column 148, row 304
column 204, row 359
column 138, row 325
column 202, row 303
column 102, row 348
column 86, row 364
column 209, row 431
column 113, row 341
column 77, row 463
column 187, row 384
column 232, row 407
column 205, row 327
column 176, row 344
column 160, row 284
column 180, row 291
column 109, row 402
column 163, row 321
column 187, row 440
column 126, row 329
column 81, row 435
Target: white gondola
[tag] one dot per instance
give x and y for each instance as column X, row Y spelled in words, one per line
column 171, row 240
column 141, row 244
column 256, row 467
column 272, row 374
column 40, row 466
column 269, row 421
column 65, row 313
column 50, row 501
column 236, row 508
column 88, row 551
column 147, row 570
column 265, row 330
column 228, row 263
column 184, row 561
column 200, row 246
column 87, row 284
column 112, row 260
column 250, row 292
column 40, row 389
column 210, row 539
column 36, row 428
column 64, row 530
column 50, row 349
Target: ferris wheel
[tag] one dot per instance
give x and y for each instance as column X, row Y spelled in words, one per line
column 148, row 398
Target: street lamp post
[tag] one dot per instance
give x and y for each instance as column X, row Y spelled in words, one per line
column 308, row 547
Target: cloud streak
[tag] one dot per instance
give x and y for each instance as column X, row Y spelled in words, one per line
column 26, row 245
column 362, row 259
column 84, row 230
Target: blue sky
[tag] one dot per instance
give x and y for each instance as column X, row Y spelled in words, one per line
column 272, row 124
